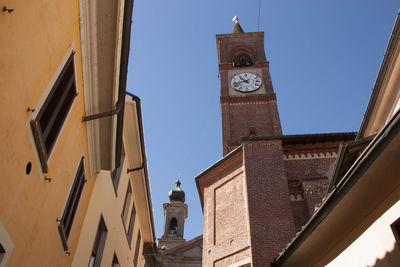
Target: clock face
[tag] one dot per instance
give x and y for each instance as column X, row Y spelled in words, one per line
column 246, row 82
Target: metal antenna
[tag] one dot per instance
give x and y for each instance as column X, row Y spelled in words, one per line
column 259, row 7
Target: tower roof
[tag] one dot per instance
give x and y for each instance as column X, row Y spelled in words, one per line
column 177, row 194
column 236, row 26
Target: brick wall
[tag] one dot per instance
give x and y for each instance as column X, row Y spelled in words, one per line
column 257, row 115
column 226, row 230
column 309, row 165
column 270, row 212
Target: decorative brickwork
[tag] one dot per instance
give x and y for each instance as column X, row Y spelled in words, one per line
column 228, row 213
column 238, row 257
column 226, row 227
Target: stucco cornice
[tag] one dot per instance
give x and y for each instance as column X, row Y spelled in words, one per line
column 386, row 62
column 105, row 37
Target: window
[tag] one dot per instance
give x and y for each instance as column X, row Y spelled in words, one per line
column 2, row 252
column 99, row 243
column 139, row 239
column 396, row 231
column 131, row 223
column 65, row 223
column 116, row 174
column 6, row 245
column 173, row 226
column 129, row 208
column 50, row 119
column 127, row 205
column 115, row 262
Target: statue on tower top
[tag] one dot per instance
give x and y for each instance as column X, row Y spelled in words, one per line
column 236, row 26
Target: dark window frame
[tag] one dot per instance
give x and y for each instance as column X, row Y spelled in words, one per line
column 2, row 252
column 115, row 260
column 47, row 125
column 116, row 174
column 127, row 202
column 131, row 223
column 99, row 244
column 395, row 226
column 137, row 248
column 67, row 219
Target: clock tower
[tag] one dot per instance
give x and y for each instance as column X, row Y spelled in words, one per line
column 254, row 199
column 248, row 101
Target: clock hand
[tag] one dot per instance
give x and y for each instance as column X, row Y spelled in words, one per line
column 243, row 80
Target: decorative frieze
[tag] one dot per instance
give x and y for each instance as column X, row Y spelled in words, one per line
column 248, row 103
column 309, row 155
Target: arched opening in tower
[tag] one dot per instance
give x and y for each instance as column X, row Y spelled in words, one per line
column 242, row 60
column 173, row 227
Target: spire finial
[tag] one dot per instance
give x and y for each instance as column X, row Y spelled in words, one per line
column 178, row 182
column 235, row 19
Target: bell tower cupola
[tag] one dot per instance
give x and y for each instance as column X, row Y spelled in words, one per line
column 175, row 214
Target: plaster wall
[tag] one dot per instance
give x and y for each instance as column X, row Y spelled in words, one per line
column 36, row 38
column 109, row 203
column 377, row 246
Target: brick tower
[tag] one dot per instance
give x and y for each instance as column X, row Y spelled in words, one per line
column 266, row 186
column 247, row 213
column 248, row 101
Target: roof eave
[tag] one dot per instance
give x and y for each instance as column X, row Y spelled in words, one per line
column 144, row 160
column 373, row 150
column 380, row 77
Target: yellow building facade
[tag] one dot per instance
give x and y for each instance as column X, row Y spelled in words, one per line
column 62, row 78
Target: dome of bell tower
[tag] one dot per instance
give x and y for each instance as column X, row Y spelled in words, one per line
column 177, row 194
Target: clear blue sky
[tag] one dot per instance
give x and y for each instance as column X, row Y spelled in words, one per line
column 324, row 57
